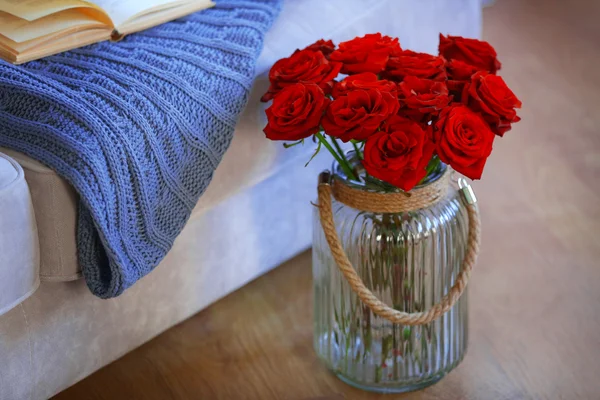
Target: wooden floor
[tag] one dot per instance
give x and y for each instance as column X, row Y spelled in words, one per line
column 535, row 293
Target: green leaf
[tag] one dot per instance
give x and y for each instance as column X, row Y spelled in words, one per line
column 288, row 145
column 431, row 167
column 314, row 154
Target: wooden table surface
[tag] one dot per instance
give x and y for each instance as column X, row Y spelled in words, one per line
column 535, row 293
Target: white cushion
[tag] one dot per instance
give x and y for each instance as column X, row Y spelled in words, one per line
column 19, row 253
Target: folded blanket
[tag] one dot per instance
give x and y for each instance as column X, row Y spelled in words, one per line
column 137, row 127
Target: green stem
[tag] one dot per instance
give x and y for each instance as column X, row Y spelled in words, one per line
column 337, row 146
column 357, row 150
column 343, row 157
column 338, row 157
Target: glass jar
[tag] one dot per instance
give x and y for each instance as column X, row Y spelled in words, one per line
column 408, row 260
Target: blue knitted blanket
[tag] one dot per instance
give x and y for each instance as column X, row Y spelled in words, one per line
column 137, row 127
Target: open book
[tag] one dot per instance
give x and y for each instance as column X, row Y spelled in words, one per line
column 32, row 29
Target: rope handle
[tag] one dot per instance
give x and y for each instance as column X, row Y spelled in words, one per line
column 368, row 298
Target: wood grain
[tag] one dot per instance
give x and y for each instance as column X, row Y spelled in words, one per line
column 535, row 293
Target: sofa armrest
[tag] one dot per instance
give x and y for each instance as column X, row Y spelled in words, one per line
column 19, row 250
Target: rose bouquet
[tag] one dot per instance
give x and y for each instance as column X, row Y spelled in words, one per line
column 402, row 111
column 393, row 252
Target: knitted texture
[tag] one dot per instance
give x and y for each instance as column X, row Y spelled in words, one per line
column 137, row 127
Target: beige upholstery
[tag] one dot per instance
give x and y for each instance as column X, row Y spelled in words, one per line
column 55, row 203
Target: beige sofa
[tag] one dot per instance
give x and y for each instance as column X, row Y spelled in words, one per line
column 62, row 332
column 255, row 214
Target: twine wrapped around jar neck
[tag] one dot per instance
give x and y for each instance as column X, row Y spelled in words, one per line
column 395, row 202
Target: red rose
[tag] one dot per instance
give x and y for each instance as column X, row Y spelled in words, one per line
column 399, row 154
column 489, row 95
column 422, row 97
column 474, row 52
column 463, row 140
column 455, row 88
column 304, row 66
column 459, row 73
column 366, row 80
column 296, row 112
column 459, row 70
column 358, row 114
column 422, row 65
column 369, row 53
column 324, row 46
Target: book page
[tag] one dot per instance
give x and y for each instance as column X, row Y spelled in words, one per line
column 20, row 30
column 121, row 11
column 149, row 19
column 39, row 48
column 31, row 10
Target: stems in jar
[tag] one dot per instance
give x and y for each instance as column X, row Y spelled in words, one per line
column 359, row 153
column 339, row 156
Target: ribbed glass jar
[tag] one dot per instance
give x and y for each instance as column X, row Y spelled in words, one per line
column 408, row 260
